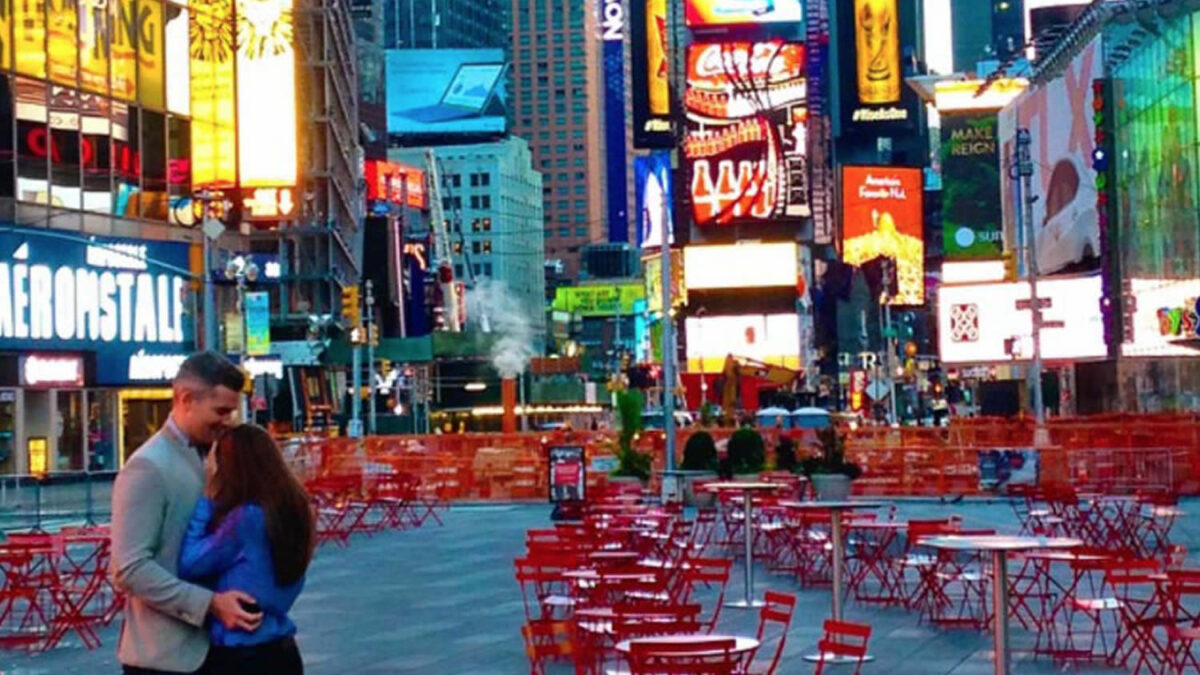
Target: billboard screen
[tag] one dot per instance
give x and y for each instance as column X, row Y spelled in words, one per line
column 740, row 266
column 650, row 74
column 883, row 215
column 703, row 13
column 652, row 182
column 266, row 96
column 445, row 91
column 746, row 144
column 612, row 36
column 970, row 187
column 407, row 183
column 1062, row 131
column 770, row 338
column 1159, row 315
column 985, row 323
column 878, row 35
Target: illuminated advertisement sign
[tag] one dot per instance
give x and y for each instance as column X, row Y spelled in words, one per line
column 43, row 371
column 652, row 183
column 266, row 94
column 970, row 187
column 882, row 215
column 602, row 300
column 1060, row 118
column 740, row 266
column 612, row 36
column 746, row 145
column 880, row 32
column 407, row 184
column 652, row 269
column 650, row 74
column 445, row 91
column 113, row 297
column 214, row 139
column 963, row 95
column 702, row 13
column 984, row 323
column 1159, row 314
column 770, row 338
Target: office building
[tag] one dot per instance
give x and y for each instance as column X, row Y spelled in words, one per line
column 557, row 108
column 493, row 198
column 444, row 24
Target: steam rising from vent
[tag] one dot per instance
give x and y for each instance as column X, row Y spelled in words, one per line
column 499, row 312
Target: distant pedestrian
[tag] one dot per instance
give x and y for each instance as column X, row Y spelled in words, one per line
column 153, row 498
column 253, row 531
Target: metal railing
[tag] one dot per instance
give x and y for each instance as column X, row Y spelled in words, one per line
column 30, row 502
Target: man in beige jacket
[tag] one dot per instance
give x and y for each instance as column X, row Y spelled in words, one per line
column 153, row 499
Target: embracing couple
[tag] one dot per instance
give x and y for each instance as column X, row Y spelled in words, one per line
column 211, row 538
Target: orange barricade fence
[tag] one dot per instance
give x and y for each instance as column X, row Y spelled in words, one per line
column 1111, row 453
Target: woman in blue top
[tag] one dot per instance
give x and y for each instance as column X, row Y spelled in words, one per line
column 252, row 531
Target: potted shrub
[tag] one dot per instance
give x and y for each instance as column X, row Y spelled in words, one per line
column 828, row 471
column 631, row 463
column 747, row 454
column 699, row 463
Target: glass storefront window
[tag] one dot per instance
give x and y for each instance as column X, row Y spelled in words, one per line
column 102, row 430
column 8, row 431
column 68, row 428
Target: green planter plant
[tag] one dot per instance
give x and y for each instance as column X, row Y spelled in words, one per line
column 631, row 463
column 828, row 471
column 747, row 452
column 700, row 453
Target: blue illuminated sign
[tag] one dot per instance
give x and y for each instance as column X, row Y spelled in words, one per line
column 613, row 32
column 123, row 299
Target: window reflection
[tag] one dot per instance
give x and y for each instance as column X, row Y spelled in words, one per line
column 33, row 139
column 63, row 150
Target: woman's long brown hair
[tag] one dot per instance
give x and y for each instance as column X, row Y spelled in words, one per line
column 251, row 470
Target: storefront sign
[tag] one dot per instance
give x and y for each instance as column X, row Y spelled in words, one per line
column 258, row 323
column 145, row 367
column 108, row 296
column 606, row 300
column 46, row 371
column 261, row 366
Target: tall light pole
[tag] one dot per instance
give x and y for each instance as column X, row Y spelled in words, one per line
column 1025, row 199
column 700, row 313
column 242, row 271
column 371, row 331
column 211, row 228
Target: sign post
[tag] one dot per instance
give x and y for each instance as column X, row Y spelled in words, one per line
column 568, row 479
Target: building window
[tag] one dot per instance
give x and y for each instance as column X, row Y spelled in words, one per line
column 474, row 201
column 564, row 231
column 475, row 248
column 487, row 269
column 458, row 270
column 487, row 224
column 487, row 245
column 474, row 180
column 581, row 232
column 485, row 179
column 485, row 202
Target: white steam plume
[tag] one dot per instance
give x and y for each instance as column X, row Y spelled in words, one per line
column 499, row 312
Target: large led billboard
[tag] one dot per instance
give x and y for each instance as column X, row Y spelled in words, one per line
column 705, row 13
column 394, row 183
column 749, row 265
column 970, row 187
column 1159, row 315
column 612, row 38
column 770, row 338
column 877, row 35
column 746, row 144
column 446, row 91
column 266, row 94
column 883, row 216
column 652, row 183
column 650, row 63
column 988, row 323
column 1060, row 119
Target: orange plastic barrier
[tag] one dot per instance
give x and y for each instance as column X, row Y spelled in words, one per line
column 1111, row 453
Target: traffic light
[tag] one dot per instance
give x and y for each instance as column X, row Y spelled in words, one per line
column 373, row 334
column 1010, row 266
column 351, row 309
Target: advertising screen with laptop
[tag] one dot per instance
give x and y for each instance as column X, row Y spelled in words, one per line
column 446, row 91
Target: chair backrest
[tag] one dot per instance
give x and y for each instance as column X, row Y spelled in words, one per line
column 1176, row 556
column 546, row 640
column 683, row 657
column 844, row 639
column 774, row 619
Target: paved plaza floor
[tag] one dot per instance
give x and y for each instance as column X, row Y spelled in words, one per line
column 442, row 601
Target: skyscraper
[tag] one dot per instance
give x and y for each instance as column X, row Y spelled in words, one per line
column 444, row 24
column 556, row 107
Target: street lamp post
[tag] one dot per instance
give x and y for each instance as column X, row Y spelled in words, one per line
column 1025, row 199
column 242, row 271
column 371, row 330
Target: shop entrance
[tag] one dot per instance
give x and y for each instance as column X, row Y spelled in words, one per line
column 143, row 413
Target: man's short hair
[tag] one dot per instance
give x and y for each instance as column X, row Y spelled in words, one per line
column 211, row 370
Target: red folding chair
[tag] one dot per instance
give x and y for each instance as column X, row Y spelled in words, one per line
column 846, row 640
column 547, row 642
column 774, row 619
column 1134, row 584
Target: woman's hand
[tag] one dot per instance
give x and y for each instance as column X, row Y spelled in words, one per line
column 210, row 473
